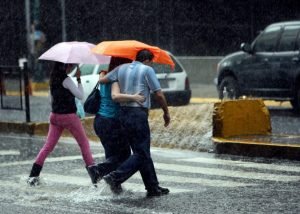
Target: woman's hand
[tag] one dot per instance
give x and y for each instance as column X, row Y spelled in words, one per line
column 78, row 72
column 139, row 98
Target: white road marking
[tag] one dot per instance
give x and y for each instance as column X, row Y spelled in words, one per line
column 49, row 160
column 245, row 164
column 200, row 181
column 226, row 172
column 9, row 152
column 85, row 181
column 185, row 180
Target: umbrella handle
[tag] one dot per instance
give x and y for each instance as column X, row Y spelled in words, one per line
column 78, row 69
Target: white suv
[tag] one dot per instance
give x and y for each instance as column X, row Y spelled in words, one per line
column 174, row 84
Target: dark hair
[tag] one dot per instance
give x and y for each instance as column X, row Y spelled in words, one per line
column 144, row 55
column 116, row 61
column 58, row 72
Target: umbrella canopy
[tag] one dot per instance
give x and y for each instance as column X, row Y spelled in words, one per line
column 129, row 48
column 75, row 53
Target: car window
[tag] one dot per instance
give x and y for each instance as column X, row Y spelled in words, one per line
column 288, row 38
column 163, row 68
column 86, row 69
column 267, row 41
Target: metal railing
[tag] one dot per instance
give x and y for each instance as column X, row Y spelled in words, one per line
column 14, row 86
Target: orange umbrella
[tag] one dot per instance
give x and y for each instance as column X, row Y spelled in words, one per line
column 129, row 48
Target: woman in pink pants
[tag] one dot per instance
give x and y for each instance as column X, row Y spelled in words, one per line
column 63, row 116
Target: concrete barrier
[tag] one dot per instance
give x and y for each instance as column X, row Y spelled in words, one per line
column 241, row 117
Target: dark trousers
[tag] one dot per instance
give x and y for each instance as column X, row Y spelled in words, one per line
column 135, row 126
column 115, row 146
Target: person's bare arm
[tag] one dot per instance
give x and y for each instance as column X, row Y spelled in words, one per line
column 160, row 98
column 102, row 78
column 118, row 97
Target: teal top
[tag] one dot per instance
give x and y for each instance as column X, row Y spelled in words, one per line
column 108, row 108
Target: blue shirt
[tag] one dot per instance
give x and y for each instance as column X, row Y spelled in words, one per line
column 135, row 78
column 108, row 108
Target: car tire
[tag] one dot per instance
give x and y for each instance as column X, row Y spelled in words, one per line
column 296, row 101
column 229, row 88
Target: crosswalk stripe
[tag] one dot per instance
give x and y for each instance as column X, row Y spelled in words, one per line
column 49, row 160
column 245, row 164
column 226, row 173
column 200, row 181
column 185, row 180
column 81, row 181
column 199, row 170
column 9, row 152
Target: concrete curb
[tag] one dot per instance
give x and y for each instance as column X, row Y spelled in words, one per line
column 257, row 149
column 41, row 128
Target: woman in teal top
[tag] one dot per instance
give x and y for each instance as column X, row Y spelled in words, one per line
column 107, row 125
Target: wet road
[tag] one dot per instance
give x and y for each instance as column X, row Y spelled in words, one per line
column 199, row 182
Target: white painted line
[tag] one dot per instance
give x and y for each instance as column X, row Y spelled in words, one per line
column 226, row 172
column 49, row 160
column 9, row 152
column 245, row 164
column 185, row 180
column 74, row 180
column 199, row 181
column 81, row 181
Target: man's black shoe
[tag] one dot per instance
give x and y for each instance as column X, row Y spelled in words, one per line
column 157, row 191
column 114, row 187
column 164, row 191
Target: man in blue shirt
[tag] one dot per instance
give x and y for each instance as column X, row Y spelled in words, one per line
column 137, row 77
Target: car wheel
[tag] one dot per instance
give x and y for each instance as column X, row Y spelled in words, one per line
column 228, row 89
column 296, row 101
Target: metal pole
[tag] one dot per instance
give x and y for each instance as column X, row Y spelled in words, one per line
column 63, row 21
column 27, row 14
column 1, row 87
column 27, row 91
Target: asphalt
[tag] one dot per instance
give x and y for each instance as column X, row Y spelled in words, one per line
column 273, row 145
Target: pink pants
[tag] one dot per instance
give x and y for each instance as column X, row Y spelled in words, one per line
column 71, row 122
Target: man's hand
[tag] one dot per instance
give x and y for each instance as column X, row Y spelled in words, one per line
column 160, row 98
column 167, row 119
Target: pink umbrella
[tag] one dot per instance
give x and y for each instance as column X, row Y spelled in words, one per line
column 75, row 53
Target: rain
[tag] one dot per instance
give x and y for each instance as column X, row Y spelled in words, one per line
column 199, row 34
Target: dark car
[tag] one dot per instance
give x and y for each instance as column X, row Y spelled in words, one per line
column 269, row 68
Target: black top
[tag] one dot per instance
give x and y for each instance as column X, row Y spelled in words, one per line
column 63, row 101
